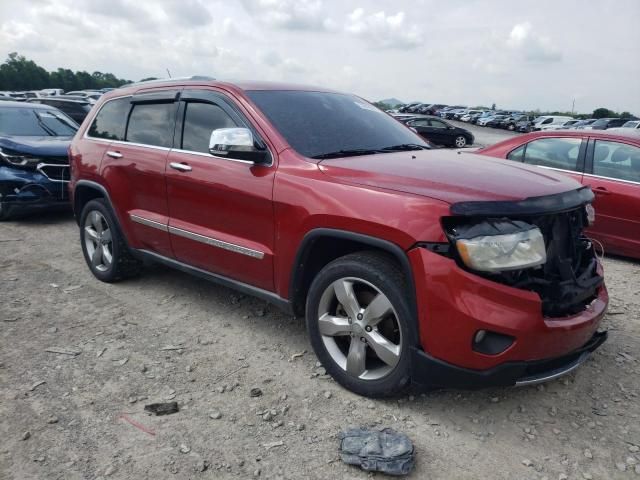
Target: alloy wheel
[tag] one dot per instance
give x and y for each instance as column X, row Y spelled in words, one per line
column 461, row 141
column 359, row 328
column 98, row 241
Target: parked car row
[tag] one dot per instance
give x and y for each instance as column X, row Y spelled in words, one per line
column 513, row 120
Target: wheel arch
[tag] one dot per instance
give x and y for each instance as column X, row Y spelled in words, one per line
column 85, row 191
column 323, row 245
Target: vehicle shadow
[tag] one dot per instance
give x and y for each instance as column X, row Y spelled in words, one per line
column 43, row 218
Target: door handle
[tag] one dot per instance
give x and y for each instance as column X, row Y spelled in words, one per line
column 601, row 191
column 113, row 154
column 182, row 167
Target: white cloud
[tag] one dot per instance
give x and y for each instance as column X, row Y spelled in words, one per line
column 384, row 31
column 290, row 14
column 533, row 47
column 470, row 52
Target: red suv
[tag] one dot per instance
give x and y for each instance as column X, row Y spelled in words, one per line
column 408, row 264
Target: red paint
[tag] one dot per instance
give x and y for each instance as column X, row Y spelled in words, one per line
column 398, row 197
column 617, row 202
column 138, row 425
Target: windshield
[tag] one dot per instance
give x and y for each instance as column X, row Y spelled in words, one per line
column 28, row 122
column 631, row 124
column 320, row 123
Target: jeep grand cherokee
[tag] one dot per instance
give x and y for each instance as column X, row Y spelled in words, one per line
column 409, row 264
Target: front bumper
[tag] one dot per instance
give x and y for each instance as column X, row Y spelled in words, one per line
column 30, row 190
column 430, row 372
column 453, row 305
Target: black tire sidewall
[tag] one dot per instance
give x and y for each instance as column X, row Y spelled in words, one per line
column 399, row 378
column 99, row 205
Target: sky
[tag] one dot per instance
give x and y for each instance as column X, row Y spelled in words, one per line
column 542, row 54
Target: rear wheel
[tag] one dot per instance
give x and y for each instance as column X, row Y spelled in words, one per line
column 460, row 141
column 511, row 127
column 103, row 246
column 359, row 323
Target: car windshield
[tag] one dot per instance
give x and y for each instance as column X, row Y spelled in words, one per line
column 318, row 124
column 631, row 124
column 28, row 122
column 601, row 122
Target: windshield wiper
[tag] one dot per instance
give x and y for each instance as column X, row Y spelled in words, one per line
column 346, row 153
column 405, row 147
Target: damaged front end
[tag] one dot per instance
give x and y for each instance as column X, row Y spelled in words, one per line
column 31, row 182
column 536, row 244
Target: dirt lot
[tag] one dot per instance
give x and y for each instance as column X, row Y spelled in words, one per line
column 87, row 420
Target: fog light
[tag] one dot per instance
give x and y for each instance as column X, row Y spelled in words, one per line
column 491, row 343
column 479, row 336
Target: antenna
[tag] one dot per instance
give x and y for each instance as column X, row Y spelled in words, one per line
column 168, row 73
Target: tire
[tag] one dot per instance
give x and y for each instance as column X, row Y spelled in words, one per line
column 460, row 141
column 511, row 127
column 379, row 365
column 103, row 245
column 4, row 212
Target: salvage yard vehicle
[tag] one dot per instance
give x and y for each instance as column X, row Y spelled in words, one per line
column 409, row 264
column 440, row 132
column 34, row 166
column 75, row 107
column 607, row 162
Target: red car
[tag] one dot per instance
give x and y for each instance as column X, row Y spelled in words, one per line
column 607, row 162
column 409, row 264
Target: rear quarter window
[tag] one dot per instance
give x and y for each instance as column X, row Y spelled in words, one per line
column 111, row 120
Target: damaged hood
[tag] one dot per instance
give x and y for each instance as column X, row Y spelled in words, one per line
column 448, row 175
column 37, row 146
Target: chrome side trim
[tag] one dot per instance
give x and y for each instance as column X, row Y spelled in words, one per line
column 548, row 376
column 232, row 247
column 214, row 242
column 208, row 155
column 149, row 223
column 631, row 182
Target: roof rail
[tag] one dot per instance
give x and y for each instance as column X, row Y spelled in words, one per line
column 158, row 80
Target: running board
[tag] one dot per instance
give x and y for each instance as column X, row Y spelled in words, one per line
column 274, row 299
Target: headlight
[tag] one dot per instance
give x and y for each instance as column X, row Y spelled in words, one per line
column 511, row 251
column 17, row 158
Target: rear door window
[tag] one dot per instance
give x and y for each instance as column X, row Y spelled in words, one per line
column 152, row 124
column 616, row 160
column 111, row 120
column 560, row 153
column 200, row 119
column 437, row 124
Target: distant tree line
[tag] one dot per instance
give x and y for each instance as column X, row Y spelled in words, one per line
column 18, row 74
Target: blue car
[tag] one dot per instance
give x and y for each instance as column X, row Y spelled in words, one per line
column 34, row 164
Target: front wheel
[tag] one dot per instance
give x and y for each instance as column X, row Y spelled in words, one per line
column 360, row 323
column 460, row 141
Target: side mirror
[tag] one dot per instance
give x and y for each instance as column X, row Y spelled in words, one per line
column 238, row 144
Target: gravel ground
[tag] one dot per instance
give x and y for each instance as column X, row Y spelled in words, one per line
column 168, row 336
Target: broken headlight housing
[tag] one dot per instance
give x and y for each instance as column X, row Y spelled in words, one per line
column 500, row 245
column 18, row 159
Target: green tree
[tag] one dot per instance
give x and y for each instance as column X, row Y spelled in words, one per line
column 603, row 113
column 18, row 73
